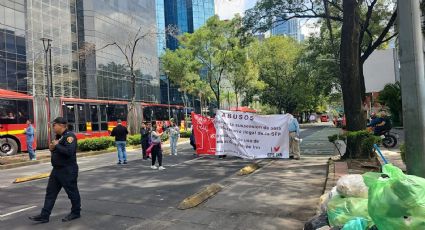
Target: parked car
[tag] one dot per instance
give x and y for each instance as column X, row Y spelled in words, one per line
column 324, row 118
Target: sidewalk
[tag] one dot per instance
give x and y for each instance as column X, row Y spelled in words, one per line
column 393, row 156
column 283, row 194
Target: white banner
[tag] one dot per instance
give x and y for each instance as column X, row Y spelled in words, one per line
column 252, row 136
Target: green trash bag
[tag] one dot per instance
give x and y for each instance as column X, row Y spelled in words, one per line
column 396, row 200
column 356, row 224
column 342, row 210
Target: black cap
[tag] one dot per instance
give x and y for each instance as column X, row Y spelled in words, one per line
column 60, row 120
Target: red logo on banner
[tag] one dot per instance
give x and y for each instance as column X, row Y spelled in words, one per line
column 276, row 149
column 204, row 132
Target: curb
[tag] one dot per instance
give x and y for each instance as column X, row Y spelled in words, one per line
column 248, row 169
column 200, row 197
column 81, row 154
column 30, row 178
column 212, row 189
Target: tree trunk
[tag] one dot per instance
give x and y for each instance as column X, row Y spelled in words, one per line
column 362, row 81
column 237, row 101
column 132, row 113
column 350, row 72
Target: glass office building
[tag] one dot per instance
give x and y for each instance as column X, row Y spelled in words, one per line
column 13, row 46
column 82, row 67
column 291, row 28
column 105, row 72
column 200, row 11
column 22, row 25
column 187, row 16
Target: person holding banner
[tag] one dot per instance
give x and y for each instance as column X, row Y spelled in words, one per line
column 294, row 141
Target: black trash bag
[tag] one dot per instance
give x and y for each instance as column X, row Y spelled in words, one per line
column 317, row 222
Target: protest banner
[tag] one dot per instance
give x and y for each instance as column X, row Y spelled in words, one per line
column 204, row 131
column 252, row 136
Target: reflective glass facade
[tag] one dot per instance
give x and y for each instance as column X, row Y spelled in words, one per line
column 13, row 46
column 200, row 10
column 79, row 29
column 160, row 22
column 56, row 20
column 291, row 28
column 106, row 74
column 187, row 16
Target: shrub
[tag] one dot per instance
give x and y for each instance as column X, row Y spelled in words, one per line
column 134, row 139
column 336, row 137
column 95, row 144
column 360, row 143
column 164, row 137
column 185, row 134
column 403, row 152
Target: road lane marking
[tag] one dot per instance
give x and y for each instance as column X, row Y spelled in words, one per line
column 21, row 210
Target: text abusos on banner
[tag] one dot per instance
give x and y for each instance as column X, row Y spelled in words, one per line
column 204, row 131
column 252, row 136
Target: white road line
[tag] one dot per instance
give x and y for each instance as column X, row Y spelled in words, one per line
column 21, row 210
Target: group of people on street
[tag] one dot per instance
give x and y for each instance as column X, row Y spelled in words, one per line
column 64, row 158
column 150, row 138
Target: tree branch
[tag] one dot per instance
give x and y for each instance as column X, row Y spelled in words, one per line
column 366, row 24
column 381, row 39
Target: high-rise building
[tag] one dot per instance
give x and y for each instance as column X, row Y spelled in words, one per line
column 106, row 74
column 186, row 16
column 291, row 28
column 82, row 66
column 22, row 25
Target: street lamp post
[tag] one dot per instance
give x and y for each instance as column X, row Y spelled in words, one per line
column 168, row 98
column 48, row 51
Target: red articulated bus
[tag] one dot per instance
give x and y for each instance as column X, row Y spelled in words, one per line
column 15, row 110
column 86, row 117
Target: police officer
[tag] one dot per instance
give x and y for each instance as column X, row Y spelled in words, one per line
column 64, row 174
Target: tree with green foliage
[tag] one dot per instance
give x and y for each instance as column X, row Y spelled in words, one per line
column 277, row 58
column 243, row 74
column 212, row 46
column 182, row 69
column 391, row 96
column 365, row 26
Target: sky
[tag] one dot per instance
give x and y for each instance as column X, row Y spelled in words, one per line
column 226, row 9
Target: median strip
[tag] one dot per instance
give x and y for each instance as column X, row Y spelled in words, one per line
column 248, row 169
column 200, row 197
column 30, row 178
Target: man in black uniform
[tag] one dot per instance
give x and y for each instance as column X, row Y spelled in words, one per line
column 64, row 174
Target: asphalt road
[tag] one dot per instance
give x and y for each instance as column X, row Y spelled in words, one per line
column 118, row 196
column 123, row 196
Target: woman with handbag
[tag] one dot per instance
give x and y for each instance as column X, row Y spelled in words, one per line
column 155, row 147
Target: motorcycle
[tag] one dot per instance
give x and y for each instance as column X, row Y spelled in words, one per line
column 389, row 140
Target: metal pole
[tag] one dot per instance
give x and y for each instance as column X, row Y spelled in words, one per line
column 168, row 95
column 412, row 76
column 47, row 48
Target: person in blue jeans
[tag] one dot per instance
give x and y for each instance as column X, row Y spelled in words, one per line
column 174, row 133
column 29, row 134
column 120, row 133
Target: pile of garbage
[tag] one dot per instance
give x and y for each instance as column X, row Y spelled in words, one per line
column 390, row 200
